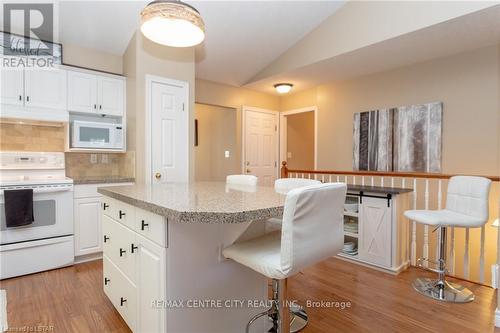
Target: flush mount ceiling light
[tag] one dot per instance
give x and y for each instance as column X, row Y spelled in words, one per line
column 172, row 23
column 283, row 88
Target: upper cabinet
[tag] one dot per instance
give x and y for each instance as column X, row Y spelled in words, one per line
column 96, row 94
column 35, row 88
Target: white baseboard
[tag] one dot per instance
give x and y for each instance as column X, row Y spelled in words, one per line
column 497, row 318
column 88, row 257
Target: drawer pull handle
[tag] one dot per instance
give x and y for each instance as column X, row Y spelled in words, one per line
column 122, row 251
column 122, row 300
column 122, row 214
column 106, row 281
column 105, row 238
column 133, row 247
column 143, row 224
column 104, row 206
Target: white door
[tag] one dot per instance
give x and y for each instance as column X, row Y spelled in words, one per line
column 169, row 133
column 151, row 285
column 375, row 231
column 82, row 92
column 45, row 88
column 260, row 146
column 88, row 232
column 12, row 86
column 110, row 95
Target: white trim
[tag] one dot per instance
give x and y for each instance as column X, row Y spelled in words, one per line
column 283, row 133
column 244, row 109
column 147, row 117
column 497, row 317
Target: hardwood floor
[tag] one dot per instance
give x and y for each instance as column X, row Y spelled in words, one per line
column 71, row 300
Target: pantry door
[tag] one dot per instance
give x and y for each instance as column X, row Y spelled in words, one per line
column 169, row 117
column 260, row 145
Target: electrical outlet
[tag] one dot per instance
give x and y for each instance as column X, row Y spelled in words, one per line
column 104, row 159
column 93, row 158
column 226, row 154
column 289, row 154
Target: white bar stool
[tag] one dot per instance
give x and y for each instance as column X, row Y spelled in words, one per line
column 312, row 231
column 250, row 180
column 466, row 207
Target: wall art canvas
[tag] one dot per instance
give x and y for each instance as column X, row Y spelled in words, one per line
column 406, row 139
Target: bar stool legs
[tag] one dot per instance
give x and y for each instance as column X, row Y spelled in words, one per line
column 440, row 289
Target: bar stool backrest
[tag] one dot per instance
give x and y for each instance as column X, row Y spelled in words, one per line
column 469, row 195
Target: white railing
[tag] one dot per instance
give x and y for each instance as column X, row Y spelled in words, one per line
column 471, row 251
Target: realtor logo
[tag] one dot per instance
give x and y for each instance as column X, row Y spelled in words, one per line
column 28, row 32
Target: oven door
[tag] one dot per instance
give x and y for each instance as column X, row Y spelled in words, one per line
column 90, row 135
column 53, row 214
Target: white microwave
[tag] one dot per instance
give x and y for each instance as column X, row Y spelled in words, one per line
column 86, row 134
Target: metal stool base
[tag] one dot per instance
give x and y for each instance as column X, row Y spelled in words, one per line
column 443, row 290
column 298, row 318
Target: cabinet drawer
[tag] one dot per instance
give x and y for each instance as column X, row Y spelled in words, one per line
column 151, row 226
column 124, row 213
column 125, row 253
column 110, row 239
column 121, row 292
column 108, row 206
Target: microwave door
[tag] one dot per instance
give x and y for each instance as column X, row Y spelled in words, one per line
column 94, row 137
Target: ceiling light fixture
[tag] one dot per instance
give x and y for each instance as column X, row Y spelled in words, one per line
column 283, row 88
column 172, row 23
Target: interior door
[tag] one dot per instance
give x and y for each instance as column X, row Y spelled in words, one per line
column 82, row 92
column 12, row 86
column 260, row 146
column 170, row 138
column 45, row 88
column 110, row 94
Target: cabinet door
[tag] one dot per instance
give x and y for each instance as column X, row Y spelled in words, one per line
column 125, row 254
column 375, row 231
column 12, row 86
column 151, row 285
column 88, row 228
column 110, row 95
column 45, row 88
column 82, row 92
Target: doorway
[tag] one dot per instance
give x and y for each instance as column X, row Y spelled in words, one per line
column 298, row 138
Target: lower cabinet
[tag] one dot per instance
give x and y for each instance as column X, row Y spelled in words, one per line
column 134, row 273
column 87, row 218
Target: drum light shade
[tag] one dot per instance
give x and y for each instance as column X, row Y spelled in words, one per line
column 172, row 23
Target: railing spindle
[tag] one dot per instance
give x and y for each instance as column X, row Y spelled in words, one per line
column 451, row 261
column 466, row 254
column 439, row 205
column 481, row 256
column 414, row 227
column 426, row 227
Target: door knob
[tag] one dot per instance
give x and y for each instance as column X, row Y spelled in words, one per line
column 248, row 170
column 158, row 175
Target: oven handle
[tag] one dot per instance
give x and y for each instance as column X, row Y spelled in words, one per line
column 43, row 189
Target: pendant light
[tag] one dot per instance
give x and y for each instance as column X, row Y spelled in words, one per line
column 172, row 23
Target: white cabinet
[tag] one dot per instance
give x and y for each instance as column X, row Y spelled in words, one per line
column 45, row 88
column 35, row 88
column 97, row 94
column 375, row 231
column 12, row 87
column 134, row 268
column 87, row 226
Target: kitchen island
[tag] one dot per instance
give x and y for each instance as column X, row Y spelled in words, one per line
column 163, row 267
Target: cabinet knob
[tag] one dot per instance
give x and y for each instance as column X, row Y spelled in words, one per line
column 143, row 225
column 122, row 300
column 105, row 238
column 122, row 214
column 122, row 251
column 104, row 206
column 133, row 247
column 106, row 281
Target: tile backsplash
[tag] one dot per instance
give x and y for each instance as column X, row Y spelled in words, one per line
column 29, row 137
column 85, row 165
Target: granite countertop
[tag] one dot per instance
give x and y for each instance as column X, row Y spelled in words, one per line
column 102, row 180
column 202, row 202
column 378, row 189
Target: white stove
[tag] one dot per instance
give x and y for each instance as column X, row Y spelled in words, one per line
column 47, row 243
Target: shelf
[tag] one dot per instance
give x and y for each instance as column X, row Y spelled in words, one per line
column 345, row 255
column 351, row 214
column 351, row 234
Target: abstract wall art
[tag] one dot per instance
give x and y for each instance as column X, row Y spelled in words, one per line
column 405, row 139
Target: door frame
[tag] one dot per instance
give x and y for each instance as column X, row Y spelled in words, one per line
column 283, row 132
column 244, row 109
column 150, row 79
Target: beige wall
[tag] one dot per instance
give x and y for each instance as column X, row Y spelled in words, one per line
column 144, row 57
column 300, row 140
column 213, row 93
column 89, row 58
column 217, row 132
column 467, row 84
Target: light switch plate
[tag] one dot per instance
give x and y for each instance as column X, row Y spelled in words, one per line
column 93, row 158
column 289, row 154
column 226, row 154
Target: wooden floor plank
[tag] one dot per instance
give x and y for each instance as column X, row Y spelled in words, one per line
column 72, row 300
